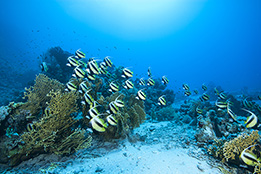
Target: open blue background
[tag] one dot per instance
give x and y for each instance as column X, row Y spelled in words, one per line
column 190, row 41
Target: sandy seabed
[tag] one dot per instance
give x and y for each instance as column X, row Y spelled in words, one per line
column 165, row 151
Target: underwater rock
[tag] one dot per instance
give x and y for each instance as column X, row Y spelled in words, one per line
column 186, row 119
column 56, row 59
column 206, row 134
column 4, row 111
column 99, row 170
column 184, row 109
column 164, row 114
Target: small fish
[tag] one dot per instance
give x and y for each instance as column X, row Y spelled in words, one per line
column 103, row 65
column 216, row 91
column 93, row 112
column 98, row 124
column 30, row 127
column 142, row 82
column 82, row 63
column 87, row 98
column 141, row 95
column 187, row 93
column 113, row 87
column 126, row 73
column 113, row 108
column 252, row 120
column 221, row 104
column 196, row 91
column 44, row 66
column 103, row 71
column 111, row 120
column 93, row 67
column 230, row 103
column 91, row 77
column 222, row 96
column 70, row 86
column 248, row 104
column 204, row 87
column 80, row 54
column 78, row 72
column 108, row 61
column 83, row 87
column 149, row 72
column 128, row 84
column 118, row 102
column 151, row 82
column 72, row 61
column 249, row 158
column 204, row 97
column 162, row 100
column 231, row 113
column 199, row 111
column 185, row 86
column 165, row 81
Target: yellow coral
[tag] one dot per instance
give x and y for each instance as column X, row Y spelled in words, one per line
column 37, row 95
column 129, row 117
column 53, row 132
column 69, row 145
column 257, row 169
column 216, row 148
column 233, row 148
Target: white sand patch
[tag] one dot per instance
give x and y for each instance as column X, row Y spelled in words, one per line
column 142, row 159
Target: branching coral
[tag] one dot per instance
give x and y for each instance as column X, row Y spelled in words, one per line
column 233, row 148
column 134, row 111
column 37, row 95
column 53, row 132
column 257, row 169
column 216, row 149
column 74, row 142
column 129, row 117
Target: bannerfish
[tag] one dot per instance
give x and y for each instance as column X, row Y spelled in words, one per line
column 79, row 54
column 44, row 66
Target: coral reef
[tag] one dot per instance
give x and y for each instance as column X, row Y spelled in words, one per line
column 4, row 111
column 37, row 95
column 229, row 151
column 129, row 117
column 56, row 60
column 54, row 121
column 164, row 114
column 52, row 133
column 153, row 93
column 234, row 147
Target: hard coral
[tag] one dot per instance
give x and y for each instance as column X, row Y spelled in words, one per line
column 234, row 147
column 128, row 117
column 53, row 132
column 37, row 95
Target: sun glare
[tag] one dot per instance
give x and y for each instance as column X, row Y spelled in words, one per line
column 134, row 19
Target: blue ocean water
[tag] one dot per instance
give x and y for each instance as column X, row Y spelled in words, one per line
column 191, row 41
column 194, row 42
